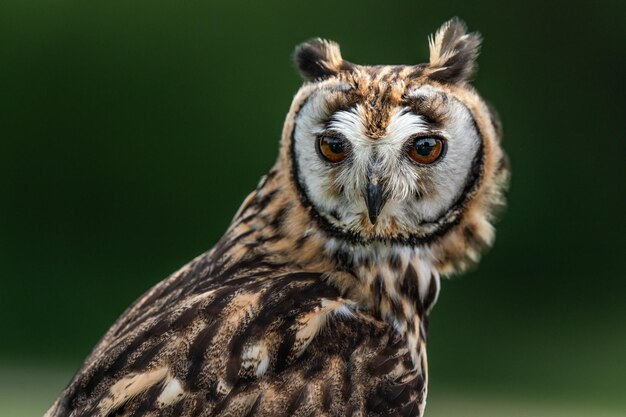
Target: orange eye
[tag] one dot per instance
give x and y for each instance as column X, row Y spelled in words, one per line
column 332, row 148
column 426, row 150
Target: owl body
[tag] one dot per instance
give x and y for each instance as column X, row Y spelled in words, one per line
column 316, row 300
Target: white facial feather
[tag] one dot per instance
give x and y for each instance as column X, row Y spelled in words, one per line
column 417, row 194
column 450, row 173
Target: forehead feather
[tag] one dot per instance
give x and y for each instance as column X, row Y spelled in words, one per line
column 377, row 94
column 377, row 91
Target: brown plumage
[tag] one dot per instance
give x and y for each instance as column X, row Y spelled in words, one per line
column 310, row 305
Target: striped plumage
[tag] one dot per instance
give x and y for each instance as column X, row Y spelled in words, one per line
column 310, row 305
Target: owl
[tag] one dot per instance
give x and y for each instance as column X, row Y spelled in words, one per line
column 316, row 300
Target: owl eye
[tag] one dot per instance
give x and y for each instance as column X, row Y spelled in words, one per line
column 426, row 150
column 332, row 148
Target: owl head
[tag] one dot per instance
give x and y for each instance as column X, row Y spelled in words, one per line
column 399, row 154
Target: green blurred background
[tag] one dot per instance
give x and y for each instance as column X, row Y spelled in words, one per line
column 130, row 131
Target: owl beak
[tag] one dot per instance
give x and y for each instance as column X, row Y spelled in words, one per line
column 375, row 199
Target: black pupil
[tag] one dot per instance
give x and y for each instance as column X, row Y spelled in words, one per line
column 335, row 145
column 425, row 146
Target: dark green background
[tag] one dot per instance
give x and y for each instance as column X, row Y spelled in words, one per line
column 130, row 131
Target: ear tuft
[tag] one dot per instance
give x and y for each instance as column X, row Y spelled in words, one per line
column 453, row 52
column 319, row 59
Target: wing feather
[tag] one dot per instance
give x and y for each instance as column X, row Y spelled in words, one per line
column 246, row 344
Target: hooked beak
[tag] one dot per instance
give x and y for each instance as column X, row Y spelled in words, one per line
column 375, row 199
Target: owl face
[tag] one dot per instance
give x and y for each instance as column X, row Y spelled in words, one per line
column 393, row 153
column 388, row 165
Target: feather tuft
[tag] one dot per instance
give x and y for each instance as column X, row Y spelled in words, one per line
column 319, row 59
column 453, row 52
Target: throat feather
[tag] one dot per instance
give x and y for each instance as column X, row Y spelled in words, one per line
column 398, row 283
